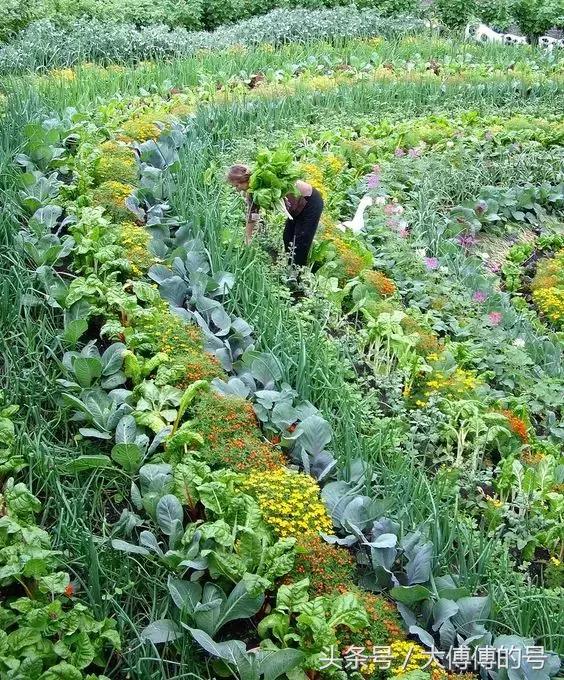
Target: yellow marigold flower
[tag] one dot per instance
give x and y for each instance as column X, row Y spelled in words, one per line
column 494, row 501
column 335, row 164
column 289, row 501
column 314, row 175
column 408, row 656
column 548, row 288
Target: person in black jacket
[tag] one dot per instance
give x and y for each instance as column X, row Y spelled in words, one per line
column 303, row 212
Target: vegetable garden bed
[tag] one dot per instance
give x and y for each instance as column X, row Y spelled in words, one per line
column 230, row 470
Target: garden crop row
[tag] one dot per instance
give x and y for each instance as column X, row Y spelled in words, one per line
column 191, row 484
column 146, row 422
column 329, row 164
column 44, row 45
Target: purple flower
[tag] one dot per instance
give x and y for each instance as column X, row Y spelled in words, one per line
column 403, row 232
column 373, row 179
column 494, row 267
column 495, row 318
column 479, row 296
column 414, row 153
column 392, row 222
column 466, row 240
column 431, row 263
column 393, row 209
column 399, row 153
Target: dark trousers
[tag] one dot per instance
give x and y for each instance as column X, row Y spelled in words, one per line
column 299, row 231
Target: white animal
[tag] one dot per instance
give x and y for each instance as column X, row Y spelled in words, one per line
column 356, row 225
column 510, row 39
column 482, row 33
column 548, row 43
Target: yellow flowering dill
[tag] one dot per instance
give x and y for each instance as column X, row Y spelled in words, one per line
column 548, row 288
column 289, row 501
column 116, row 163
column 111, row 196
column 135, row 240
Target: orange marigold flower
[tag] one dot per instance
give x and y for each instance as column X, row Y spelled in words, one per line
column 380, row 282
column 517, row 425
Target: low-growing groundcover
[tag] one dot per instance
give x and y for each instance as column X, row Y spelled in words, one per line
column 240, row 516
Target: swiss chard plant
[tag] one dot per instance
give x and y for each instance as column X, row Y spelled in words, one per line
column 274, row 176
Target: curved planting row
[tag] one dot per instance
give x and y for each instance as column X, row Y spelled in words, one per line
column 44, row 44
column 166, row 385
column 233, row 517
column 449, row 344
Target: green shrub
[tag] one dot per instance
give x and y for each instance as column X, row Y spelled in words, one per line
column 45, row 44
column 535, row 17
column 495, row 13
column 454, row 13
column 187, row 13
column 313, row 4
column 390, row 8
column 17, row 14
column 257, row 7
column 218, row 12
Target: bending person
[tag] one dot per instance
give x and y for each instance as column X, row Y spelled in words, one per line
column 303, row 214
